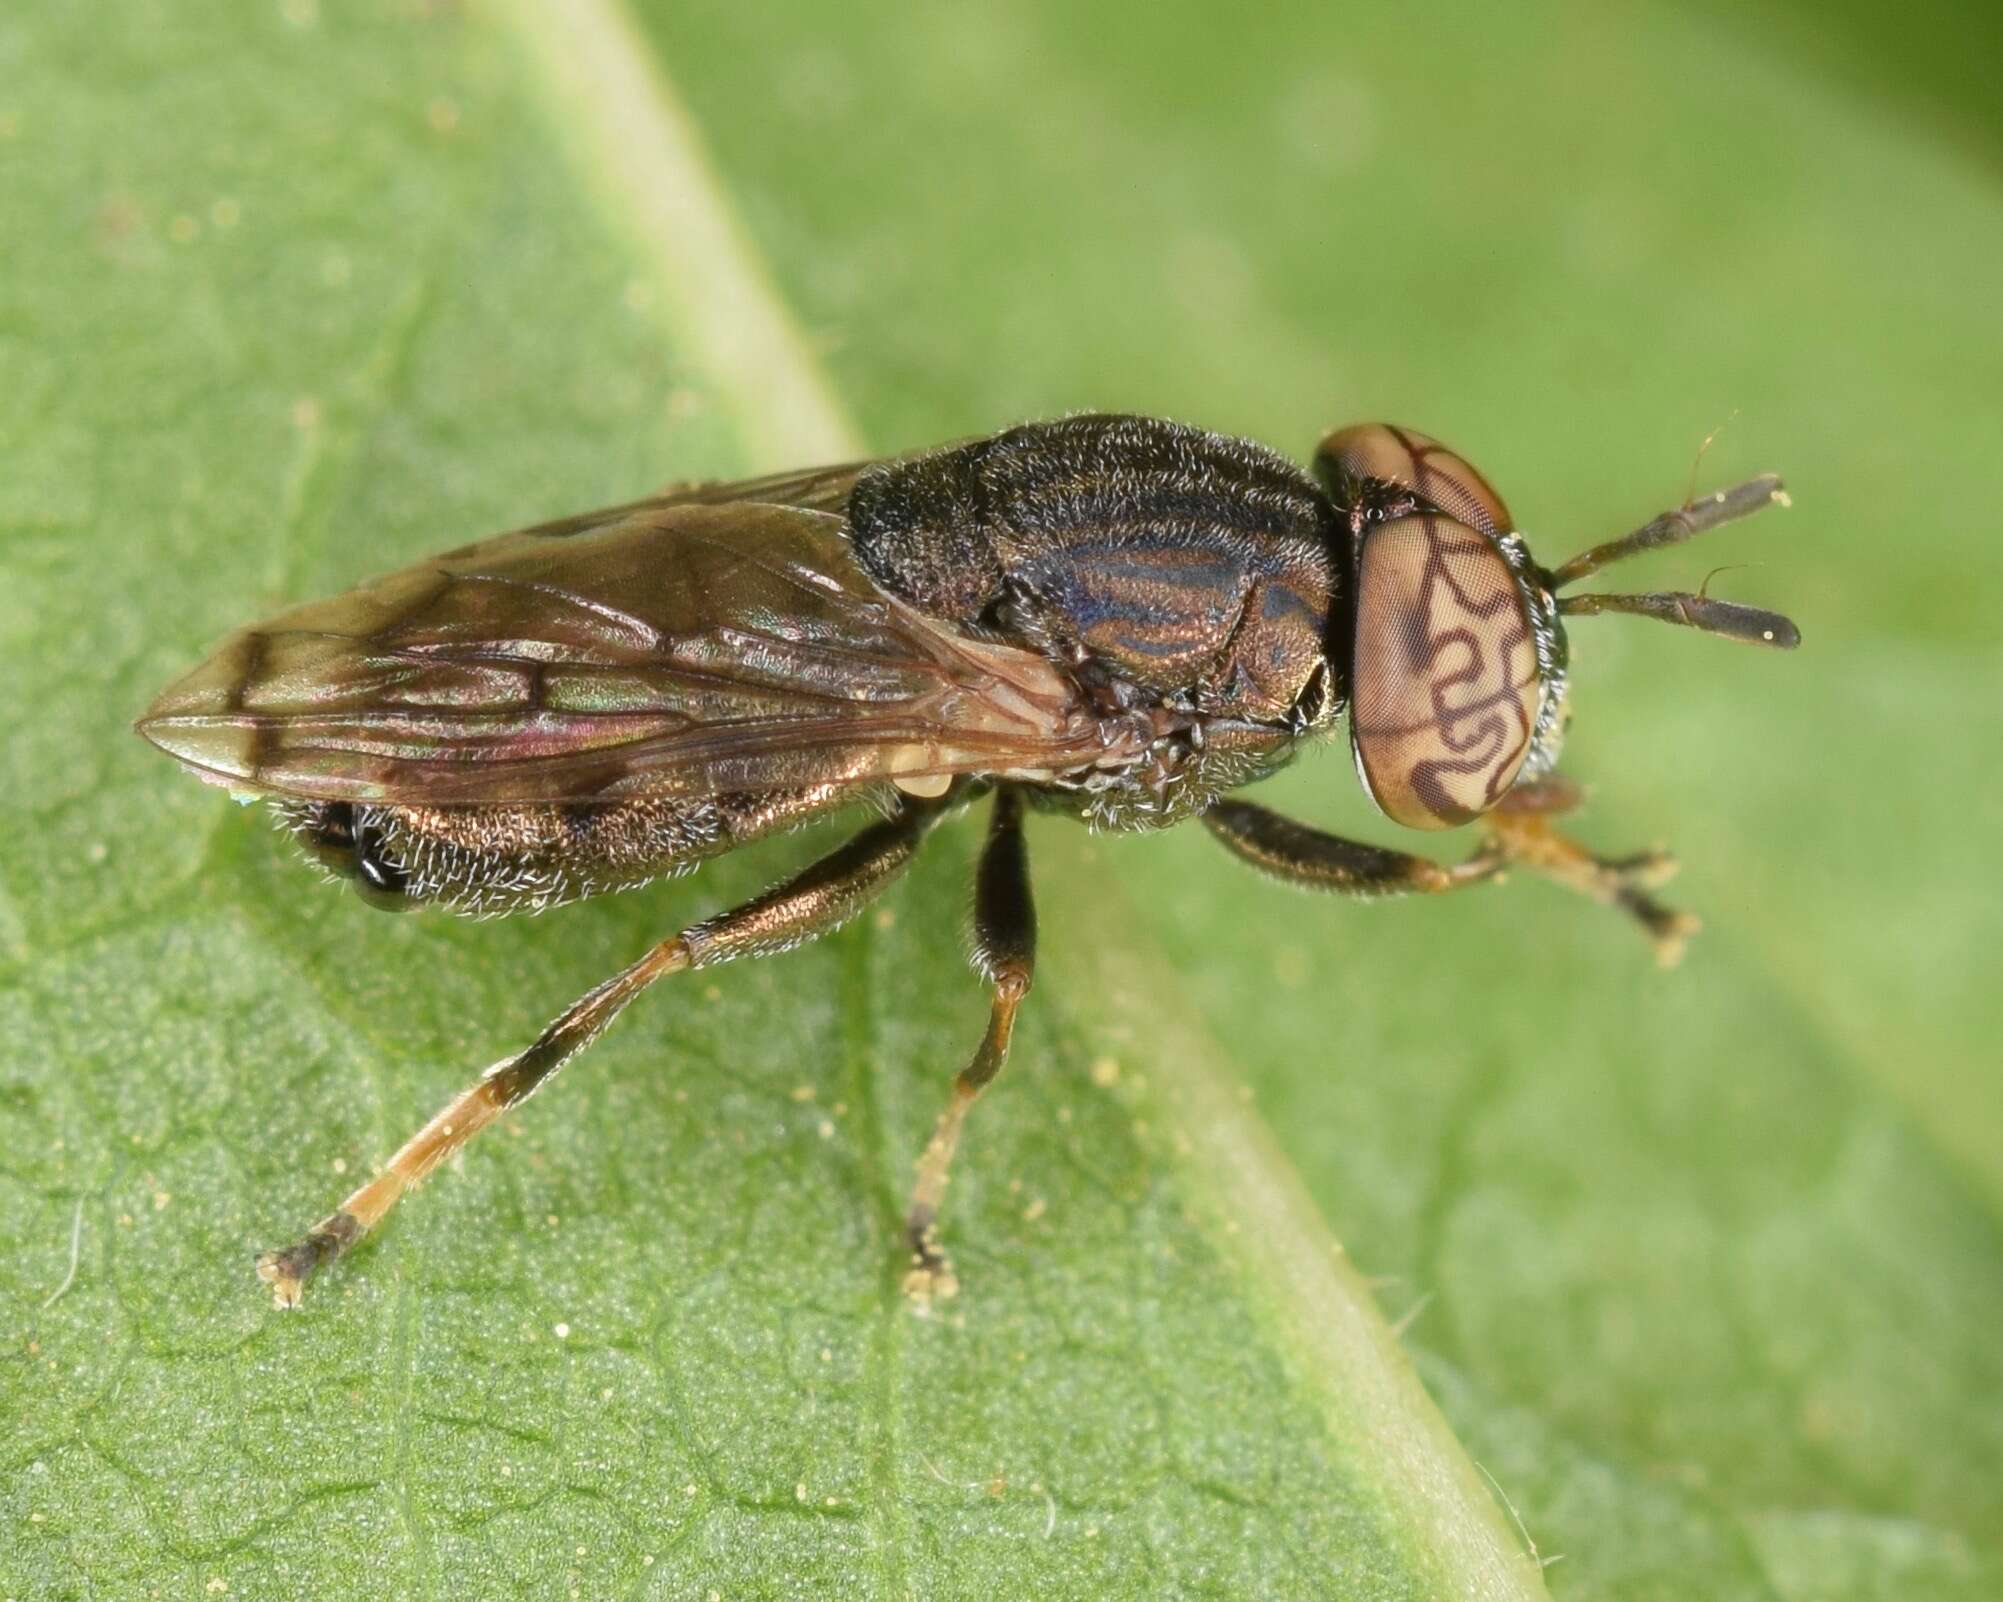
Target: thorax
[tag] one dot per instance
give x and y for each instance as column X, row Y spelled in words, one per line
column 1187, row 566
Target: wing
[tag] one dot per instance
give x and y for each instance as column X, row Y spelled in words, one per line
column 811, row 489
column 696, row 643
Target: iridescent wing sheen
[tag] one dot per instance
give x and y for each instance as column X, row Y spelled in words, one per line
column 715, row 638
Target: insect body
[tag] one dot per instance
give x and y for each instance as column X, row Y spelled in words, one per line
column 1118, row 618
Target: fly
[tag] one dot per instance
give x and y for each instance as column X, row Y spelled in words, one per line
column 1120, row 619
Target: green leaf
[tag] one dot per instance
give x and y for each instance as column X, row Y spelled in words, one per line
column 1702, row 1268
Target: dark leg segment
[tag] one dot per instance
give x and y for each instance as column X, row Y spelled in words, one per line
column 1005, row 954
column 1318, row 861
column 810, row 904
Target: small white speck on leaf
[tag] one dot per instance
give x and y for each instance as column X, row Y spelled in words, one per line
column 69, row 1279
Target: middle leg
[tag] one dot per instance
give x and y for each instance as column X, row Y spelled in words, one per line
column 1005, row 954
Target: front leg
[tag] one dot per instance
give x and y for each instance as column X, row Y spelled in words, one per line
column 1317, row 860
column 1520, row 831
column 1517, row 833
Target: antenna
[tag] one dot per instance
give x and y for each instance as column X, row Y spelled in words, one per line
column 1727, row 618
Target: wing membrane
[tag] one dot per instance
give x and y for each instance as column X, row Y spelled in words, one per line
column 695, row 643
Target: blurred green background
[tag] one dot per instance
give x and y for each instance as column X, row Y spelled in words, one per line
column 1703, row 1269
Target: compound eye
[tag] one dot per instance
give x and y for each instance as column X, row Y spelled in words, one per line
column 1445, row 687
column 1419, row 462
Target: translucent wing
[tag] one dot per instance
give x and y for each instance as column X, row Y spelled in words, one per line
column 715, row 638
column 811, row 489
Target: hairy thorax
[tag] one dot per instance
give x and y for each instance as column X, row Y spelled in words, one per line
column 1183, row 565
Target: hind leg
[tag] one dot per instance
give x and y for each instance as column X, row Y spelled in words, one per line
column 814, row 901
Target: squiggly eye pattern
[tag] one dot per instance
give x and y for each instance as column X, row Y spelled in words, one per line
column 1446, row 687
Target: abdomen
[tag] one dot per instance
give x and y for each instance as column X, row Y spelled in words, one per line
column 485, row 861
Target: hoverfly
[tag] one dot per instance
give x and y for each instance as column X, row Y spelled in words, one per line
column 1117, row 618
